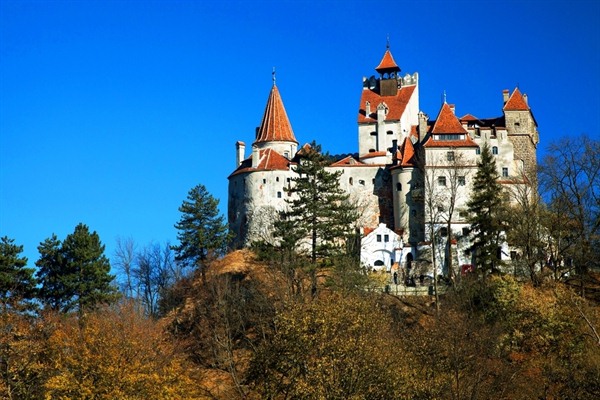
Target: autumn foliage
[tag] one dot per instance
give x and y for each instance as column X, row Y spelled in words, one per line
column 244, row 334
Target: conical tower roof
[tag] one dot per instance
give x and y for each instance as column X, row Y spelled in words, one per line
column 387, row 63
column 275, row 125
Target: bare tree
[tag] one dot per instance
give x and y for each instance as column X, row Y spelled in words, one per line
column 570, row 179
column 525, row 229
column 457, row 171
column 124, row 260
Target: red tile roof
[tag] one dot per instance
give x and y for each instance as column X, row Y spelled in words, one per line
column 387, row 63
column 447, row 122
column 275, row 125
column 348, row 161
column 516, row 102
column 408, row 154
column 469, row 117
column 374, row 154
column 468, row 142
column 269, row 160
column 396, row 104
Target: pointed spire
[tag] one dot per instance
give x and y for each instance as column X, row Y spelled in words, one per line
column 275, row 125
column 274, row 77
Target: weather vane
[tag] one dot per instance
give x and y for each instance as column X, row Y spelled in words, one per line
column 274, row 78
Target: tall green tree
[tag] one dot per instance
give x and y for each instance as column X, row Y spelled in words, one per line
column 486, row 212
column 75, row 274
column 17, row 282
column 202, row 232
column 319, row 215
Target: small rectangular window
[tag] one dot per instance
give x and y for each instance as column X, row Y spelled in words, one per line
column 504, row 171
column 440, row 208
column 379, row 238
column 264, row 181
column 450, row 156
column 441, row 180
column 465, row 231
column 278, row 195
column 462, row 181
column 478, row 151
column 386, row 238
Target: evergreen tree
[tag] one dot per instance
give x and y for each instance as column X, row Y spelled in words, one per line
column 485, row 212
column 17, row 282
column 202, row 230
column 75, row 274
column 318, row 210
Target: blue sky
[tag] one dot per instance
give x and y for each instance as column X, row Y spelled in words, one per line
column 111, row 111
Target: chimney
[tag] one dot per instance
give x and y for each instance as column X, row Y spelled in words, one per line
column 452, row 108
column 255, row 155
column 525, row 98
column 505, row 93
column 367, row 109
column 240, row 148
column 394, row 151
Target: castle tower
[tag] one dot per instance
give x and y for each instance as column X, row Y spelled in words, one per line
column 522, row 131
column 388, row 110
column 256, row 186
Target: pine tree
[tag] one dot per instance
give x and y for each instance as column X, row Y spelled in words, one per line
column 75, row 274
column 485, row 212
column 17, row 282
column 202, row 230
column 318, row 210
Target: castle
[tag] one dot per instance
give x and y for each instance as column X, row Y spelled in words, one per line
column 411, row 176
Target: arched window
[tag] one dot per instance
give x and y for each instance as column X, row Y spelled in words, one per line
column 350, row 181
column 399, row 187
column 494, row 150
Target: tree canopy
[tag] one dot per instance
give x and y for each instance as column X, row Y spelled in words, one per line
column 485, row 211
column 75, row 274
column 318, row 209
column 201, row 229
column 17, row 282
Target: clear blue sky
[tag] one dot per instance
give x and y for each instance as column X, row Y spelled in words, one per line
column 111, row 111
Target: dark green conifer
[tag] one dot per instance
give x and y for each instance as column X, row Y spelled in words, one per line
column 17, row 282
column 202, row 231
column 75, row 274
column 485, row 212
column 319, row 216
